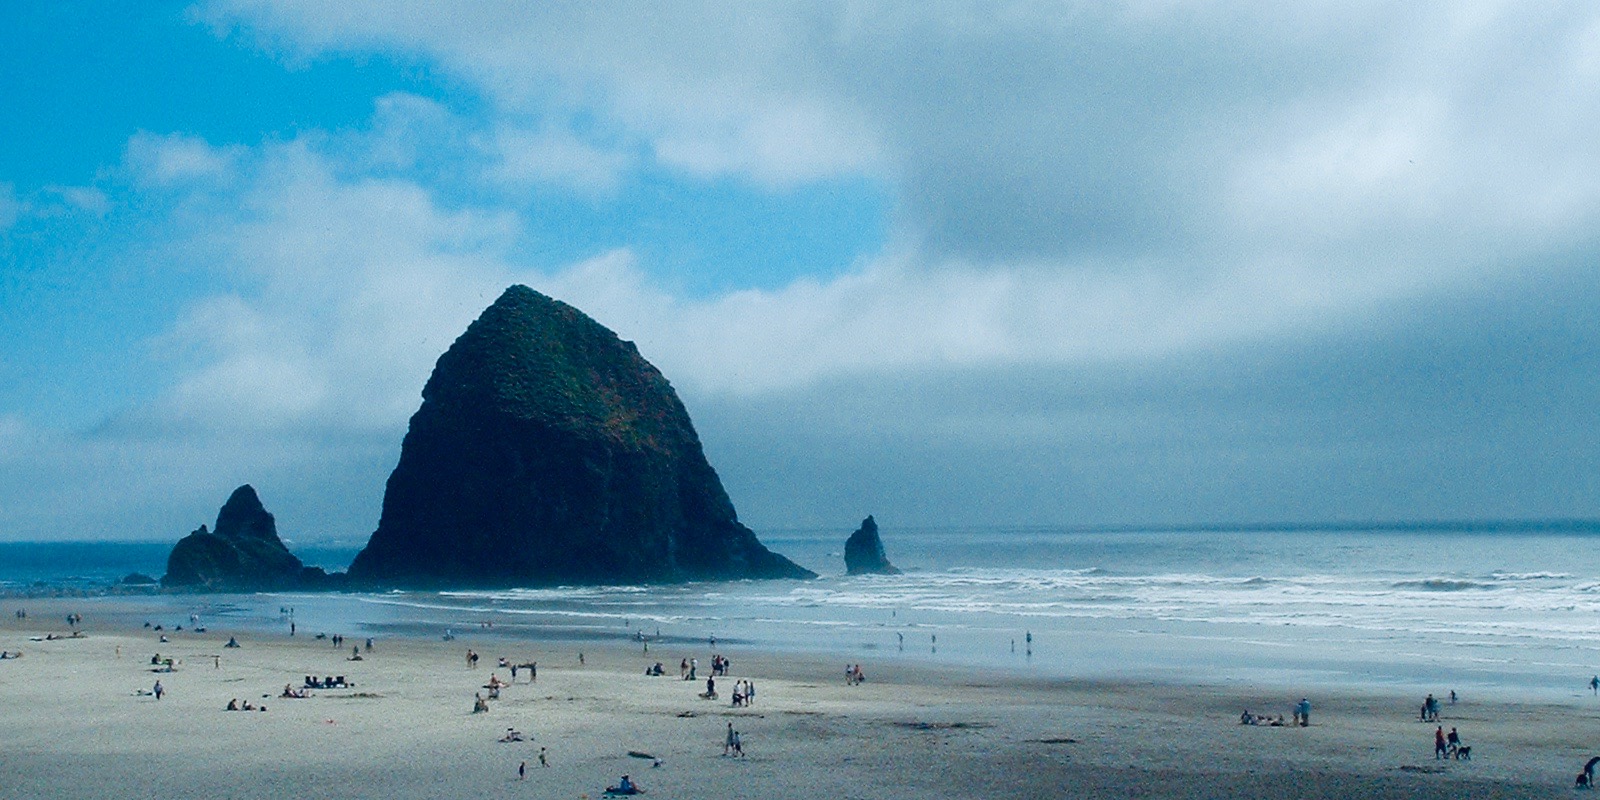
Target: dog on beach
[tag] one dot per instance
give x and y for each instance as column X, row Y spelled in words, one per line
column 1464, row 753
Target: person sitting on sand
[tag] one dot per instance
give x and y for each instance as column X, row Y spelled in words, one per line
column 512, row 735
column 233, row 705
column 624, row 786
column 479, row 705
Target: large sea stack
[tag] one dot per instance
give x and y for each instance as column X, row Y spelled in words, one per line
column 547, row 450
column 244, row 553
column 863, row 551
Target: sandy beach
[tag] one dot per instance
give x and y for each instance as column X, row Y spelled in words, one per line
column 76, row 720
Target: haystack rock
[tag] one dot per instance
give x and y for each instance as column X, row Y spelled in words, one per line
column 244, row 553
column 863, row 551
column 547, row 451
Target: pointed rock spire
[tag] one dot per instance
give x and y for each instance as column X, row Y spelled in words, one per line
column 548, row 450
column 863, row 551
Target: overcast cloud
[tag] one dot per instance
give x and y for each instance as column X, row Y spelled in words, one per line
column 1143, row 262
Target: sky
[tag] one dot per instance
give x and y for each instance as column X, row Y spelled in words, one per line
column 947, row 263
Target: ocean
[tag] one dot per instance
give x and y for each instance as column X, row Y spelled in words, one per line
column 1503, row 608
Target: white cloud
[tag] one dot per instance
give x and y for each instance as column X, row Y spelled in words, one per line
column 1037, row 132
column 72, row 199
column 177, row 158
column 355, row 287
column 553, row 156
column 10, row 206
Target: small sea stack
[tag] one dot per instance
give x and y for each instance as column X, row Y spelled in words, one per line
column 243, row 553
column 863, row 551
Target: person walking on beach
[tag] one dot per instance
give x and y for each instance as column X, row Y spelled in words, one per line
column 1594, row 683
column 522, row 771
column 542, row 761
column 158, row 690
column 727, row 743
column 1441, row 748
column 1303, row 711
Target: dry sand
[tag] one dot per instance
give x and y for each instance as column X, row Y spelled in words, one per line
column 73, row 725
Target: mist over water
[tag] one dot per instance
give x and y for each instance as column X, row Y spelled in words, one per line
column 1501, row 609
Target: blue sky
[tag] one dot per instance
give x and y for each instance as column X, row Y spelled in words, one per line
column 947, row 263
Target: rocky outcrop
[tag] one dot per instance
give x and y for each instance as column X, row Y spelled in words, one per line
column 863, row 551
column 244, row 553
column 547, row 450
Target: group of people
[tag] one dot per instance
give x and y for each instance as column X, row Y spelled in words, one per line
column 744, row 693
column 624, row 786
column 687, row 668
column 1302, row 717
column 1448, row 745
column 1248, row 718
column 719, row 665
column 292, row 693
column 733, row 745
column 853, row 675
column 1430, row 709
column 235, row 705
column 328, row 682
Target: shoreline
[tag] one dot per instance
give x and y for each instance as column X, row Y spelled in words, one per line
column 405, row 729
